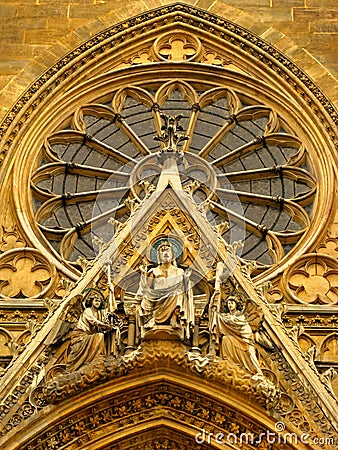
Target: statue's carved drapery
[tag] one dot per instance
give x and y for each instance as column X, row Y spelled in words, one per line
column 234, row 334
column 166, row 295
column 87, row 330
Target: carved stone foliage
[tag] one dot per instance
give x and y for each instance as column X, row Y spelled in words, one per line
column 167, row 439
column 313, row 279
column 158, row 353
column 285, row 404
column 17, row 407
column 154, row 402
column 25, row 273
column 308, row 417
column 17, row 315
column 329, row 321
column 190, row 232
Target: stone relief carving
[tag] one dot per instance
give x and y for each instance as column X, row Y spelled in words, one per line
column 170, row 137
column 159, row 353
column 232, row 319
column 165, row 314
column 25, row 272
column 159, row 400
column 232, row 331
column 166, row 294
column 88, row 329
column 162, row 313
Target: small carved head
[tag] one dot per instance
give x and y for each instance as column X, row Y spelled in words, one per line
column 93, row 297
column 165, row 252
column 233, row 302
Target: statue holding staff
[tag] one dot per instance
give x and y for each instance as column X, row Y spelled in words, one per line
column 232, row 319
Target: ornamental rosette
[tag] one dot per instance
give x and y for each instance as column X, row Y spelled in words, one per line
column 313, row 279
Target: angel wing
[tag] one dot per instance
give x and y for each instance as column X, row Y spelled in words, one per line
column 67, row 319
column 253, row 314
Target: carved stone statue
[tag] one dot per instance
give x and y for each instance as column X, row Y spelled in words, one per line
column 232, row 331
column 89, row 330
column 165, row 294
column 169, row 136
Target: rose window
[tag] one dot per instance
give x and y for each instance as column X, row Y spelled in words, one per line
column 243, row 163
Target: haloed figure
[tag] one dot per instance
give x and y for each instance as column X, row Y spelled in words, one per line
column 165, row 293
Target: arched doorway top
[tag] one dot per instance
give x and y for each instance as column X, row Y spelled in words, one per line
column 85, row 41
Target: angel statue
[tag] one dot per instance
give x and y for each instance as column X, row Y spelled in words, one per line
column 232, row 322
column 89, row 329
column 165, row 294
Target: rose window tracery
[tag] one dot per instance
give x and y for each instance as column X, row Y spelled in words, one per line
column 248, row 165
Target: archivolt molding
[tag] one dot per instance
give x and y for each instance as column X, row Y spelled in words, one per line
column 103, row 414
column 240, row 39
column 13, row 314
column 154, row 396
column 169, row 438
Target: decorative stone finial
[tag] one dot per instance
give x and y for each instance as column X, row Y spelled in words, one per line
column 170, row 137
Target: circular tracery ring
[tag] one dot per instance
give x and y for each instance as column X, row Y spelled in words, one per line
column 238, row 147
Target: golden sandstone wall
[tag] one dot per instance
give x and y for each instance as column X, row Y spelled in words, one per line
column 35, row 33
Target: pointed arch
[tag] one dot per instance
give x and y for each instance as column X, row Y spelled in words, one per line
column 329, row 348
column 5, row 339
column 125, row 410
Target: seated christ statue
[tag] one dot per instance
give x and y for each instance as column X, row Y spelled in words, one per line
column 165, row 294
